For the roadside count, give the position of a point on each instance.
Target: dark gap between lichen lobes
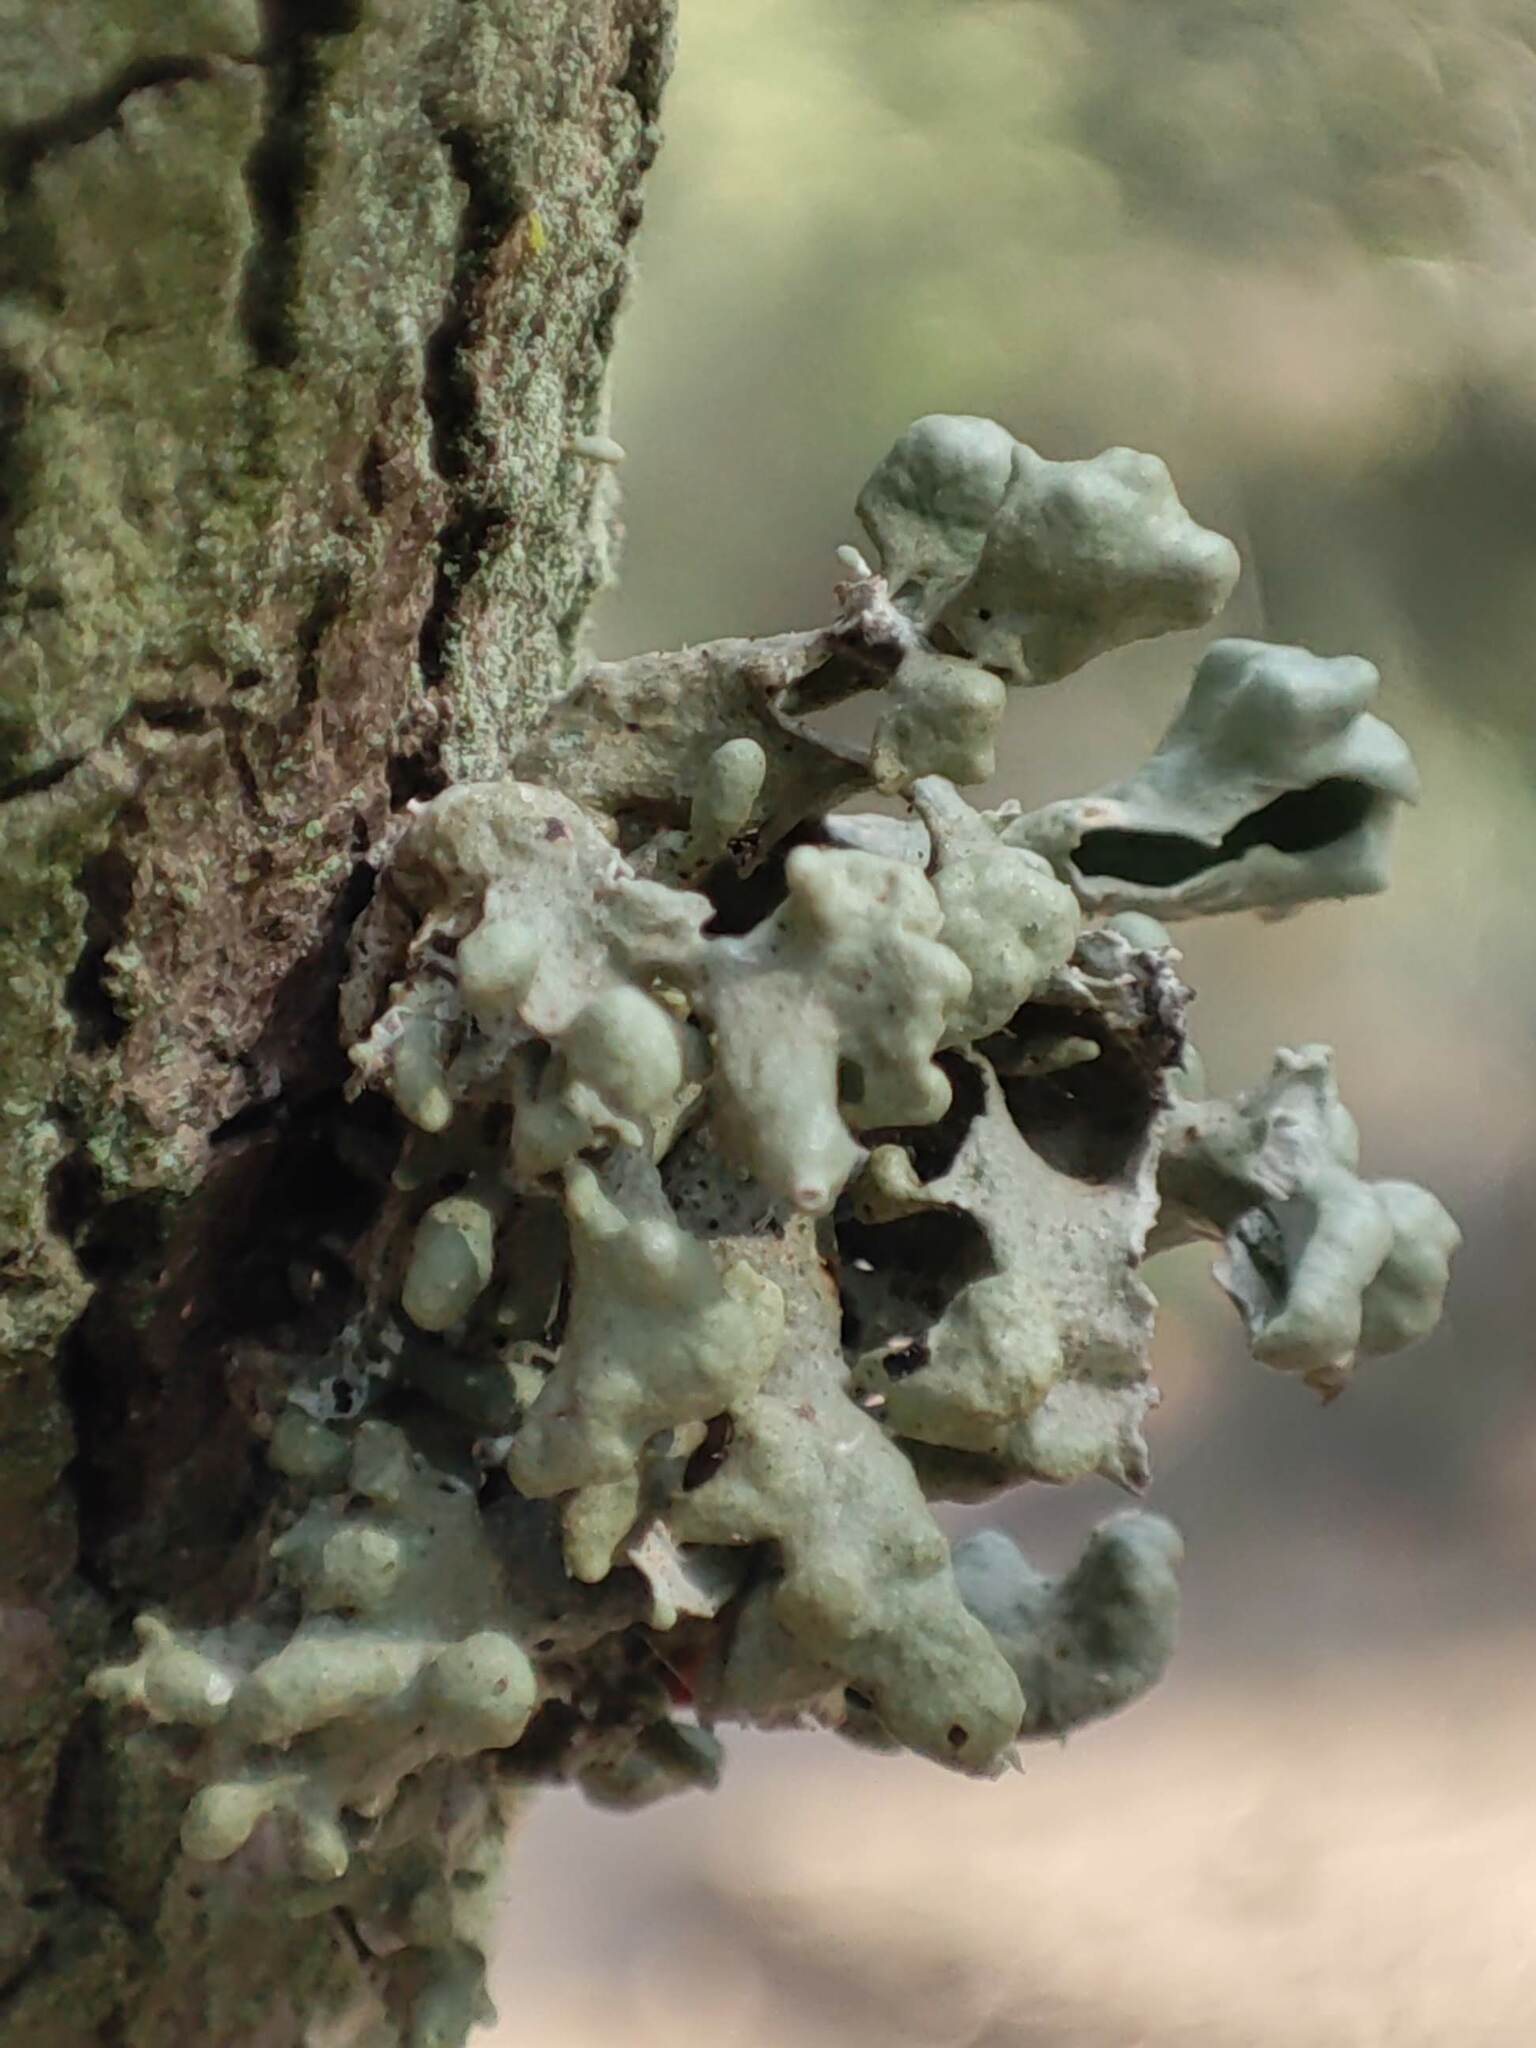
(26, 146)
(1301, 821)
(1088, 1120)
(898, 1278)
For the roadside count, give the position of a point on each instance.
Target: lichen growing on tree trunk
(304, 314)
(520, 1202)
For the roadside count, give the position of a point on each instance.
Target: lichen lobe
(773, 1171)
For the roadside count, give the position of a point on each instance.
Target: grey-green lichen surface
(772, 1172)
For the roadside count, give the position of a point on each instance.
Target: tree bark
(304, 309)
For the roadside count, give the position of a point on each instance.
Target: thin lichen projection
(773, 1171)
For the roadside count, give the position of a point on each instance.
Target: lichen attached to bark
(771, 1173)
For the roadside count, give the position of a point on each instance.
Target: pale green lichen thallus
(774, 1170)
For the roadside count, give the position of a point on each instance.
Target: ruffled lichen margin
(718, 1176)
(304, 314)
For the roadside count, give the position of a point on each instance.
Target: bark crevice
(494, 207)
(281, 168)
(23, 148)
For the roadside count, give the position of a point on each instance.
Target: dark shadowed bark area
(304, 310)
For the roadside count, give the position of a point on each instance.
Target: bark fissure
(281, 167)
(493, 207)
(24, 148)
(40, 779)
(647, 61)
(107, 884)
(329, 606)
(232, 726)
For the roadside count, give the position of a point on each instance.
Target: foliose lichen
(1273, 787)
(773, 1171)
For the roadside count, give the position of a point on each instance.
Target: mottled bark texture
(302, 307)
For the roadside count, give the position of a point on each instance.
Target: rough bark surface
(302, 306)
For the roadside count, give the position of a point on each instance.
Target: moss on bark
(301, 309)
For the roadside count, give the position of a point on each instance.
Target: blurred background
(1290, 246)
